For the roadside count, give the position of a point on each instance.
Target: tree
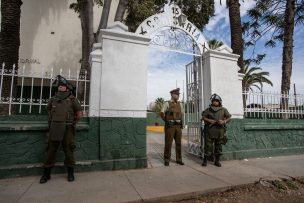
(287, 50)
(197, 11)
(85, 10)
(214, 44)
(9, 43)
(104, 17)
(159, 103)
(138, 11)
(120, 11)
(10, 32)
(86, 18)
(277, 18)
(253, 79)
(236, 30)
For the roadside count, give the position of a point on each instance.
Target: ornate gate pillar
(220, 76)
(118, 96)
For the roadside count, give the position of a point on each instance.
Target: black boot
(205, 161)
(217, 161)
(46, 175)
(180, 162)
(71, 174)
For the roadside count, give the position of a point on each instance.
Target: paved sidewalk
(157, 183)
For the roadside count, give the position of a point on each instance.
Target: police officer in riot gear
(215, 118)
(172, 113)
(64, 112)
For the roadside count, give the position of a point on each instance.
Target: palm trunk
(9, 45)
(86, 17)
(236, 31)
(287, 52)
(122, 6)
(104, 17)
(244, 90)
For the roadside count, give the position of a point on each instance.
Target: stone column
(220, 76)
(96, 65)
(124, 73)
(119, 96)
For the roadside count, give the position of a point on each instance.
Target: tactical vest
(62, 110)
(215, 131)
(174, 112)
(216, 115)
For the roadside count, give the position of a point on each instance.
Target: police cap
(175, 91)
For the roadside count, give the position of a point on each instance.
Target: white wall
(119, 83)
(40, 49)
(221, 76)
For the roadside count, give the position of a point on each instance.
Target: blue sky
(167, 69)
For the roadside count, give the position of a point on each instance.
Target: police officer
(172, 113)
(64, 112)
(215, 118)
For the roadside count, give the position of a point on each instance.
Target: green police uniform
(62, 109)
(64, 112)
(173, 117)
(214, 133)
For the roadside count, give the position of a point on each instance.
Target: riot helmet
(216, 97)
(59, 80)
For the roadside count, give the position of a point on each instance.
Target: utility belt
(173, 122)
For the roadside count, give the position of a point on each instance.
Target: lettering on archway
(170, 18)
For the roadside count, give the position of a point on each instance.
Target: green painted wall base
(248, 138)
(120, 143)
(254, 153)
(101, 144)
(81, 166)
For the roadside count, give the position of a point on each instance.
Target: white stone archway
(120, 62)
(118, 89)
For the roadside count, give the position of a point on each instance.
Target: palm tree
(236, 30)
(9, 44)
(214, 44)
(253, 79)
(277, 19)
(10, 32)
(287, 51)
(159, 103)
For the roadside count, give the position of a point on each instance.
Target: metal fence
(270, 105)
(24, 92)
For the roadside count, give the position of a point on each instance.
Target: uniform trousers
(211, 143)
(68, 145)
(173, 132)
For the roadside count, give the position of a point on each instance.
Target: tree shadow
(37, 16)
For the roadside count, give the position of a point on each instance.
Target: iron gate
(194, 106)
